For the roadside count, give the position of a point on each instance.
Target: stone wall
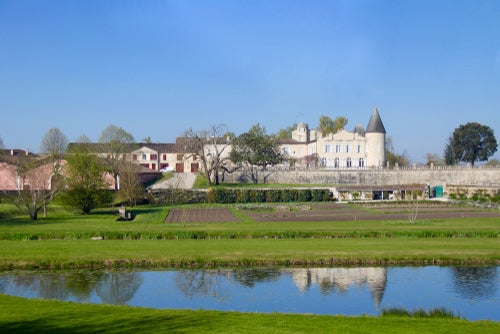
(478, 177)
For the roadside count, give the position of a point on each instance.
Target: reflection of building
(341, 279)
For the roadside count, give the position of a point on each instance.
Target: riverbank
(66, 240)
(72, 254)
(21, 315)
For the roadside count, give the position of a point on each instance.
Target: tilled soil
(193, 215)
(327, 212)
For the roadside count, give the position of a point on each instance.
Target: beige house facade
(343, 149)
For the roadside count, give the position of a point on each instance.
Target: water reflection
(201, 282)
(475, 282)
(111, 287)
(473, 292)
(331, 280)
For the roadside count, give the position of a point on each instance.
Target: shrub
(242, 196)
(304, 195)
(257, 196)
(273, 195)
(223, 195)
(289, 195)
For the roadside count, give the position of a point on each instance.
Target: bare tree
(37, 182)
(115, 143)
(54, 142)
(131, 189)
(211, 147)
(83, 139)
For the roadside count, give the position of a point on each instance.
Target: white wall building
(344, 149)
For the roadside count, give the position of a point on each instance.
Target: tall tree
(473, 142)
(393, 158)
(339, 123)
(286, 133)
(2, 147)
(326, 125)
(449, 154)
(211, 146)
(85, 180)
(83, 139)
(131, 189)
(115, 143)
(255, 151)
(54, 142)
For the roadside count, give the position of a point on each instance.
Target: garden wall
(478, 177)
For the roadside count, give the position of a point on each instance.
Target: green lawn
(63, 240)
(254, 252)
(18, 315)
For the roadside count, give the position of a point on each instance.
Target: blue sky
(156, 68)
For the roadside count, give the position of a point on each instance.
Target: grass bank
(18, 315)
(64, 240)
(51, 254)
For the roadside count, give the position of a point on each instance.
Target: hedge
(230, 195)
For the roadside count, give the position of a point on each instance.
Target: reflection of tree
(475, 282)
(200, 282)
(118, 287)
(248, 277)
(112, 287)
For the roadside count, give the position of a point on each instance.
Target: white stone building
(344, 149)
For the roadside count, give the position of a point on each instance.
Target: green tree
(449, 154)
(255, 151)
(326, 125)
(339, 123)
(85, 180)
(473, 142)
(393, 158)
(493, 163)
(115, 144)
(286, 133)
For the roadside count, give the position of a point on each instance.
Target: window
(347, 148)
(361, 162)
(154, 156)
(164, 157)
(144, 156)
(337, 163)
(134, 157)
(349, 162)
(327, 148)
(323, 162)
(337, 148)
(359, 148)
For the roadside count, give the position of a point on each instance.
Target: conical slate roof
(375, 124)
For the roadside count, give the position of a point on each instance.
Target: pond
(470, 292)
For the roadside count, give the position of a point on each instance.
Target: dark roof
(375, 124)
(98, 147)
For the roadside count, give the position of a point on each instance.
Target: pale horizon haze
(157, 68)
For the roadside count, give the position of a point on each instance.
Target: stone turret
(375, 140)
